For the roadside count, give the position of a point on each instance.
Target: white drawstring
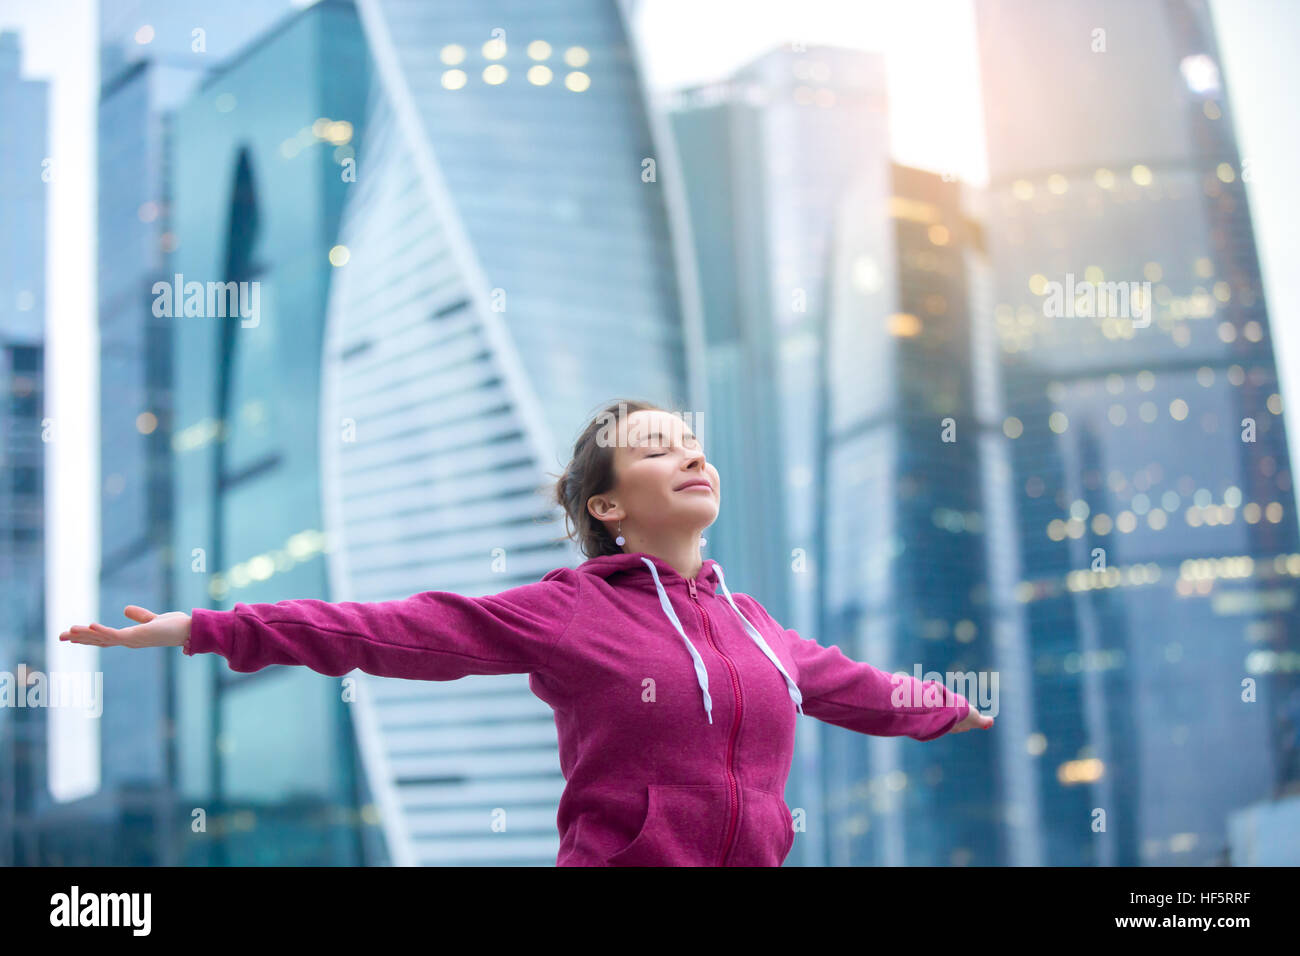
(701, 675)
(791, 686)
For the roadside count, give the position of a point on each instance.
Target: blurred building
(258, 169)
(153, 55)
(1155, 503)
(838, 292)
(912, 506)
(24, 105)
(168, 46)
(510, 267)
(768, 155)
(1265, 833)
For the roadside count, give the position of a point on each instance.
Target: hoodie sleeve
(858, 696)
(433, 635)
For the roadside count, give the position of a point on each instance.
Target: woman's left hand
(972, 720)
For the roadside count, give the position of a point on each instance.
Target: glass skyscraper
(768, 155)
(1156, 513)
(510, 267)
(908, 457)
(153, 55)
(259, 170)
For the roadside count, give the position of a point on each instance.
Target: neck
(681, 554)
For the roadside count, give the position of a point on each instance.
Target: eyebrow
(658, 434)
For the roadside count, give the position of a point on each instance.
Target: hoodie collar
(647, 572)
(630, 571)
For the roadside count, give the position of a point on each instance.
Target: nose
(697, 467)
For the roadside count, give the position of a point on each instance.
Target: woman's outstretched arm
(861, 697)
(433, 635)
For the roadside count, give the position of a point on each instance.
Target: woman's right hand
(171, 629)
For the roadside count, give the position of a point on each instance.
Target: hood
(646, 572)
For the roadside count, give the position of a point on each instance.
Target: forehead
(642, 425)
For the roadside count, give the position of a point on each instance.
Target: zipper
(733, 791)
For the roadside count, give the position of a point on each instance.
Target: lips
(698, 483)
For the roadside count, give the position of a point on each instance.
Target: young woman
(675, 700)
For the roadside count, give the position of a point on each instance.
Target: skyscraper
(1156, 510)
(768, 155)
(152, 57)
(258, 163)
(510, 266)
(908, 492)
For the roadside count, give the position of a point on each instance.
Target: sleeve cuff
(205, 632)
(960, 706)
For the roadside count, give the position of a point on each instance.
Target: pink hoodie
(675, 702)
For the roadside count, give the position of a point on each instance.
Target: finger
(121, 636)
(137, 613)
(110, 635)
(84, 639)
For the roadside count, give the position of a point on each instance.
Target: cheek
(651, 480)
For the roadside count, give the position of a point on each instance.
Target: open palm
(170, 629)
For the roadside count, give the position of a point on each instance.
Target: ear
(602, 508)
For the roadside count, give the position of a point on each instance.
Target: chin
(711, 512)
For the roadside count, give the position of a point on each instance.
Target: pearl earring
(703, 541)
(620, 540)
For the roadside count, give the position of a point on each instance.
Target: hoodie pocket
(684, 825)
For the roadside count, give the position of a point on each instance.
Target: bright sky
(929, 49)
(935, 114)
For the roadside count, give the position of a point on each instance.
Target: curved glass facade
(508, 270)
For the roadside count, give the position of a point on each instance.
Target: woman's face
(662, 482)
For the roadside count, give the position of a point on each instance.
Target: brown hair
(591, 472)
